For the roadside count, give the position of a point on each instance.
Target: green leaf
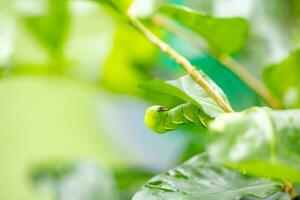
(199, 179)
(51, 28)
(188, 90)
(62, 179)
(129, 65)
(260, 141)
(283, 79)
(129, 180)
(81, 180)
(227, 35)
(238, 93)
(119, 5)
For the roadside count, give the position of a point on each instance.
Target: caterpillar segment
(162, 120)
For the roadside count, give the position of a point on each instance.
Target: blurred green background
(71, 111)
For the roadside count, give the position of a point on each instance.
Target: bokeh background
(71, 111)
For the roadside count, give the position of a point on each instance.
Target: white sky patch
(230, 8)
(141, 8)
(7, 38)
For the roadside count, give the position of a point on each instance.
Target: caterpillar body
(161, 120)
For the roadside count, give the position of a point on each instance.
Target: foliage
(186, 89)
(213, 29)
(86, 180)
(259, 140)
(287, 90)
(132, 64)
(51, 48)
(78, 181)
(200, 179)
(44, 27)
(239, 94)
(200, 108)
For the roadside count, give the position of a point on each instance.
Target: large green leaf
(227, 35)
(199, 179)
(259, 141)
(188, 90)
(283, 79)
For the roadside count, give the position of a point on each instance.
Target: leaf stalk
(197, 76)
(230, 63)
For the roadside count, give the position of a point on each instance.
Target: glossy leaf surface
(259, 141)
(199, 179)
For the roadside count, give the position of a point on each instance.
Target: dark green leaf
(227, 35)
(259, 141)
(199, 179)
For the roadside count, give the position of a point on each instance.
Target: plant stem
(288, 188)
(225, 59)
(249, 79)
(197, 76)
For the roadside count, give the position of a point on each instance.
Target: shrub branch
(197, 76)
(288, 188)
(249, 79)
(230, 63)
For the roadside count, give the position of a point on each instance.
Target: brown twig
(288, 188)
(225, 59)
(183, 62)
(250, 80)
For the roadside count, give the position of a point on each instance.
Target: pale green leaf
(259, 141)
(127, 65)
(119, 5)
(199, 179)
(78, 181)
(227, 35)
(45, 26)
(188, 90)
(283, 79)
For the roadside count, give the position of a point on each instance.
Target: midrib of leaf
(272, 136)
(241, 189)
(196, 75)
(196, 97)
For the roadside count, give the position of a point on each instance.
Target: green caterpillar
(161, 120)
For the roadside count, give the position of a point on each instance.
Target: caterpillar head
(155, 118)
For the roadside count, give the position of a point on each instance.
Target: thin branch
(225, 59)
(236, 68)
(183, 62)
(250, 80)
(288, 188)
